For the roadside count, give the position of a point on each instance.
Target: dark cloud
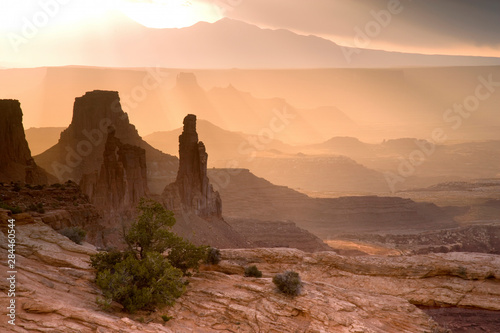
(421, 23)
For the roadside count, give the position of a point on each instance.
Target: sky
(454, 27)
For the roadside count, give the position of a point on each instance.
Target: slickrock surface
(444, 279)
(55, 293)
(16, 163)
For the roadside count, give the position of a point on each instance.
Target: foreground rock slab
(55, 292)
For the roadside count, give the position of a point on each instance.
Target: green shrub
(288, 282)
(13, 209)
(37, 208)
(106, 260)
(185, 255)
(150, 232)
(213, 256)
(17, 187)
(141, 283)
(253, 271)
(165, 318)
(76, 234)
(142, 278)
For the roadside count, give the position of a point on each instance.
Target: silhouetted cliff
(192, 190)
(16, 163)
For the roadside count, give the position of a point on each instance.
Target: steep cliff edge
(16, 163)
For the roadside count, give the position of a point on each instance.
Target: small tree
(151, 230)
(288, 282)
(142, 278)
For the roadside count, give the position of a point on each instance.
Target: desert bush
(17, 187)
(13, 209)
(185, 255)
(37, 208)
(141, 277)
(76, 234)
(213, 256)
(141, 283)
(253, 271)
(288, 282)
(106, 260)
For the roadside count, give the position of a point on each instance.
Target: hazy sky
(424, 26)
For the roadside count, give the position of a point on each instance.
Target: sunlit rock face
(16, 163)
(192, 190)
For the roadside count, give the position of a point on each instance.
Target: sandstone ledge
(55, 292)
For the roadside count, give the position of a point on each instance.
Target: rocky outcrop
(482, 238)
(59, 206)
(197, 207)
(192, 190)
(81, 146)
(278, 234)
(247, 196)
(122, 179)
(16, 163)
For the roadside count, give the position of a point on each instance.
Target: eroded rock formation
(192, 190)
(197, 207)
(122, 179)
(81, 146)
(16, 163)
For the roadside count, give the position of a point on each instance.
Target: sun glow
(169, 13)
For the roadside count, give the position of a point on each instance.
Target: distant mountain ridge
(227, 43)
